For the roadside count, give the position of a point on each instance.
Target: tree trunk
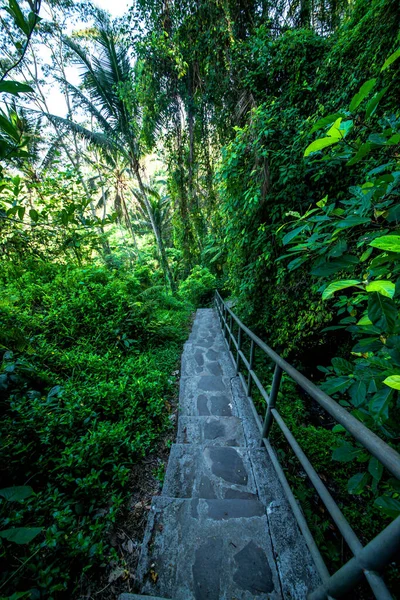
(157, 234)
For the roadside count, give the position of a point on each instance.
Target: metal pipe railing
(356, 568)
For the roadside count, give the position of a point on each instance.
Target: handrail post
(272, 401)
(230, 332)
(373, 558)
(239, 347)
(225, 313)
(251, 362)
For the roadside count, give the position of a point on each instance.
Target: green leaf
(346, 453)
(391, 243)
(361, 94)
(386, 288)
(393, 381)
(390, 506)
(364, 321)
(366, 254)
(320, 144)
(335, 131)
(391, 59)
(394, 140)
(375, 468)
(337, 264)
(16, 493)
(382, 311)
(336, 384)
(369, 344)
(352, 221)
(14, 10)
(358, 393)
(377, 139)
(342, 366)
(338, 285)
(292, 234)
(328, 120)
(361, 152)
(34, 215)
(338, 429)
(373, 103)
(14, 87)
(357, 483)
(379, 405)
(20, 535)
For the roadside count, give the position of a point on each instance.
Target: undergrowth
(86, 378)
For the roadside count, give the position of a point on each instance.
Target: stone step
(201, 549)
(216, 343)
(214, 472)
(210, 431)
(198, 360)
(206, 395)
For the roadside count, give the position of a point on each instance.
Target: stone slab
(208, 550)
(206, 395)
(199, 360)
(211, 431)
(214, 472)
(295, 565)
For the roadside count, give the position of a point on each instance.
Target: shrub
(199, 287)
(84, 387)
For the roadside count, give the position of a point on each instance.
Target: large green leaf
(320, 144)
(352, 221)
(373, 103)
(14, 87)
(358, 393)
(391, 59)
(292, 234)
(369, 344)
(379, 405)
(375, 468)
(382, 311)
(390, 243)
(14, 10)
(363, 150)
(328, 120)
(346, 453)
(386, 288)
(390, 506)
(336, 384)
(357, 483)
(337, 264)
(20, 535)
(393, 381)
(335, 286)
(363, 92)
(16, 493)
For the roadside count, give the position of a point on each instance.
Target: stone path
(222, 528)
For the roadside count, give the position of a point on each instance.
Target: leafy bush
(360, 234)
(199, 287)
(85, 382)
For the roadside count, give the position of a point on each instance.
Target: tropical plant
(360, 234)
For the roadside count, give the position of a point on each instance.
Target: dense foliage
(251, 146)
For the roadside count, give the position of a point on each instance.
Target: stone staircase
(222, 528)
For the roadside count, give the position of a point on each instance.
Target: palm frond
(97, 139)
(51, 152)
(78, 94)
(96, 86)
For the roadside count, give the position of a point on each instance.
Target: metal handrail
(375, 555)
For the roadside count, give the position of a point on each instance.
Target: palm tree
(106, 79)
